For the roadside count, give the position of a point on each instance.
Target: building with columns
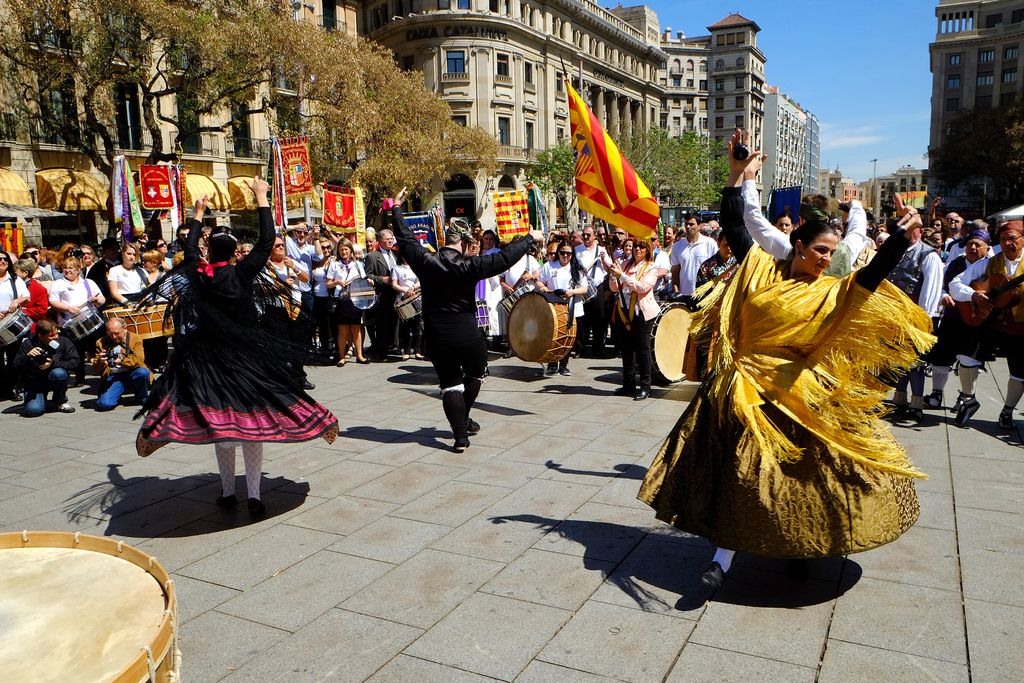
(500, 65)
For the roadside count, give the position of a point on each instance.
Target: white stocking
(226, 464)
(252, 453)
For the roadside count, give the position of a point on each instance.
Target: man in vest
(1003, 329)
(919, 275)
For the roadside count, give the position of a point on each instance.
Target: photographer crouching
(45, 360)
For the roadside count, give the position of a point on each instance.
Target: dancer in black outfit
(451, 338)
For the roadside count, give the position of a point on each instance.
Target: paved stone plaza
(388, 557)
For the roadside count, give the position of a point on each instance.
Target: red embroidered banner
(298, 181)
(511, 214)
(339, 208)
(156, 187)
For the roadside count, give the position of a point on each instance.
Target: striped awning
(242, 198)
(13, 189)
(197, 184)
(67, 189)
(314, 202)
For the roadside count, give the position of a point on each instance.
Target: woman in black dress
(229, 380)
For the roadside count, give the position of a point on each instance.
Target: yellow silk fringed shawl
(815, 349)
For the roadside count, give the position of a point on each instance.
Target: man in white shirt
(687, 255)
(1001, 329)
(594, 324)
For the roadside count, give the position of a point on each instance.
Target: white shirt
(689, 257)
(960, 286)
(7, 292)
(527, 264)
(128, 281)
(404, 277)
(555, 276)
(588, 257)
(75, 294)
(663, 262)
(283, 272)
(319, 280)
(304, 254)
(345, 272)
(931, 285)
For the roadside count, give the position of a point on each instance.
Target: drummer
(68, 297)
(13, 293)
(128, 278)
(410, 331)
(343, 271)
(567, 279)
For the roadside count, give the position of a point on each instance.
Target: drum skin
(669, 335)
(77, 607)
(538, 329)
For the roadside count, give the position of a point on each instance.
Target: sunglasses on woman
(565, 253)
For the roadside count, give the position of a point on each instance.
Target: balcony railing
(502, 79)
(515, 153)
(455, 76)
(203, 144)
(8, 126)
(247, 148)
(41, 135)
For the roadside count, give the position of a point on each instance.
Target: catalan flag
(606, 185)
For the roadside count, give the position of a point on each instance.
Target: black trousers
(636, 354)
(385, 322)
(456, 349)
(593, 326)
(325, 330)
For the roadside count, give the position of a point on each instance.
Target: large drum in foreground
(75, 607)
(539, 329)
(669, 336)
(146, 322)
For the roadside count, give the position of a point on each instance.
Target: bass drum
(540, 329)
(669, 336)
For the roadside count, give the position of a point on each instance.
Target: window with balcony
(689, 82)
(1009, 75)
(954, 60)
(493, 6)
(1017, 16)
(986, 78)
(504, 130)
(188, 121)
(704, 85)
(703, 66)
(1011, 52)
(677, 81)
(528, 132)
(129, 117)
(953, 82)
(986, 56)
(456, 61)
(993, 20)
(502, 67)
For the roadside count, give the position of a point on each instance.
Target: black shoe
(15, 395)
(967, 410)
(934, 399)
(1006, 418)
(256, 507)
(625, 391)
(308, 386)
(641, 395)
(911, 416)
(472, 428)
(960, 398)
(564, 372)
(460, 445)
(713, 577)
(227, 501)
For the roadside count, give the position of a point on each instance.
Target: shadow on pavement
(622, 470)
(573, 390)
(428, 436)
(142, 507)
(662, 565)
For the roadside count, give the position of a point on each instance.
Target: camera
(47, 352)
(740, 151)
(77, 253)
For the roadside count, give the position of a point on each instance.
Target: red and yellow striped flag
(606, 185)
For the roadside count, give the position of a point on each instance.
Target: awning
(314, 202)
(23, 212)
(242, 198)
(13, 189)
(67, 189)
(197, 184)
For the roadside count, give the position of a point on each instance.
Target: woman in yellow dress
(782, 452)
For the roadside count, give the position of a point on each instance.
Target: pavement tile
(877, 613)
(394, 454)
(342, 515)
(623, 490)
(502, 472)
(993, 576)
(852, 663)
(490, 635)
(589, 467)
(12, 491)
(539, 449)
(989, 484)
(258, 557)
(34, 503)
(339, 478)
(768, 615)
(299, 594)
(922, 557)
(453, 503)
(390, 539)
(44, 477)
(408, 483)
(702, 664)
(655, 576)
(936, 510)
(542, 672)
(598, 532)
(196, 597)
(552, 579)
(193, 542)
(213, 645)
(994, 633)
(989, 530)
(618, 642)
(339, 646)
(420, 591)
(507, 433)
(404, 668)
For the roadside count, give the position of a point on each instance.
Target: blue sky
(860, 67)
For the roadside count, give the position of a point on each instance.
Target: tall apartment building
(975, 59)
(42, 172)
(813, 154)
(685, 79)
(786, 132)
(500, 65)
(736, 65)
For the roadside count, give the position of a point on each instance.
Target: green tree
(688, 170)
(555, 174)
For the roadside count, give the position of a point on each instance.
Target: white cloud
(846, 141)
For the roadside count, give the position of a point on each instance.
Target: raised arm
(195, 232)
(856, 229)
(256, 260)
(767, 236)
(889, 255)
(412, 251)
